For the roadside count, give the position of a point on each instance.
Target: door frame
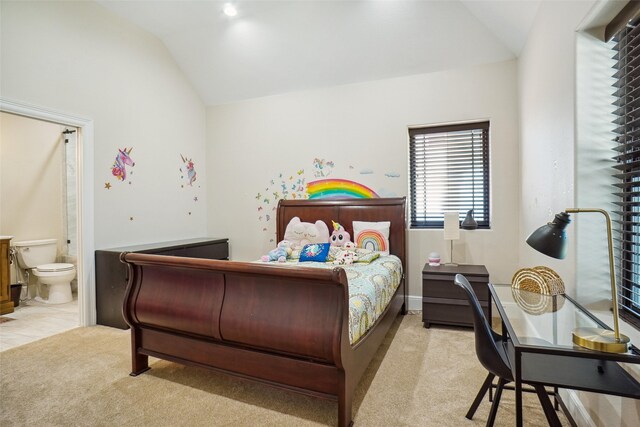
(85, 203)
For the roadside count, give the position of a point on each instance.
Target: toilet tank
(32, 253)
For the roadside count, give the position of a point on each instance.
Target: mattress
(371, 287)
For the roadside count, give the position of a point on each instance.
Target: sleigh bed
(281, 325)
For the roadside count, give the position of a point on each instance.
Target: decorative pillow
(372, 235)
(303, 233)
(314, 252)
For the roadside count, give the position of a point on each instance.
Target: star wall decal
(195, 199)
(107, 185)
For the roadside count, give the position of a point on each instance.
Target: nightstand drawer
(443, 287)
(445, 303)
(445, 311)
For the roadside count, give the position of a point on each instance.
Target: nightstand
(445, 303)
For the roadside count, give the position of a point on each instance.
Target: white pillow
(372, 235)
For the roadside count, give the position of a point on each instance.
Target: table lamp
(551, 240)
(451, 232)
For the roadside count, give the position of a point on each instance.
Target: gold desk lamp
(551, 240)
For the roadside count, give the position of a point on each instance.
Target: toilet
(38, 256)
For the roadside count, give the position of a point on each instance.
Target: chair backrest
(493, 359)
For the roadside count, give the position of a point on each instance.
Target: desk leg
(518, 389)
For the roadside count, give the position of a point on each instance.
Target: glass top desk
(541, 351)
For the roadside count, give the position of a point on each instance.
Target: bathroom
(38, 194)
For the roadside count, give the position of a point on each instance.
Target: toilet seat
(55, 267)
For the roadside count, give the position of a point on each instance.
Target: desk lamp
(551, 240)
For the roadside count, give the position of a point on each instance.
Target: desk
(538, 328)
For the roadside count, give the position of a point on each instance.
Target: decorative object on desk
(451, 232)
(469, 223)
(551, 240)
(541, 280)
(434, 259)
(536, 303)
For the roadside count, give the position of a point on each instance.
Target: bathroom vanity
(111, 274)
(6, 303)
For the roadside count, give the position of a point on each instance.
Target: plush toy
(280, 253)
(339, 236)
(302, 233)
(347, 255)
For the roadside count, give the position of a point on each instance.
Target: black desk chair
(491, 350)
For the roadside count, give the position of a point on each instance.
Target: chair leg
(556, 405)
(483, 390)
(547, 407)
(496, 402)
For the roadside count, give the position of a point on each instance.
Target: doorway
(84, 198)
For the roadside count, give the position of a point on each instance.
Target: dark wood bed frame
(284, 326)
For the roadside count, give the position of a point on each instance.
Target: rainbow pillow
(372, 235)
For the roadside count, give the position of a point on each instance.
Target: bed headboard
(345, 211)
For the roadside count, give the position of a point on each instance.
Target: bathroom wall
(32, 194)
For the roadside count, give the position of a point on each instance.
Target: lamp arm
(612, 272)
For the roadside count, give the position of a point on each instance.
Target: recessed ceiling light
(230, 10)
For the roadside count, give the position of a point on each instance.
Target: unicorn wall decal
(122, 161)
(191, 171)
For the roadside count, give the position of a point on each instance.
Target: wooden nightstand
(446, 304)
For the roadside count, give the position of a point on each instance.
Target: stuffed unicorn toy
(339, 236)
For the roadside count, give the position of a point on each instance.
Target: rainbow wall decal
(371, 239)
(339, 188)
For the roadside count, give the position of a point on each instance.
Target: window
(449, 167)
(627, 171)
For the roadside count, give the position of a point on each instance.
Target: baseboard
(574, 409)
(415, 303)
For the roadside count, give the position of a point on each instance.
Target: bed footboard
(279, 325)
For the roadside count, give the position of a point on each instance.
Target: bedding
(371, 286)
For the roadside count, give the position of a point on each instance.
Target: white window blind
(449, 167)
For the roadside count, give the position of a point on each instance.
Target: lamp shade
(451, 226)
(551, 238)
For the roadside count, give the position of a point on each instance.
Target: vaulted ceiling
(274, 47)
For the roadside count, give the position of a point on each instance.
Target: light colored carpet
(419, 377)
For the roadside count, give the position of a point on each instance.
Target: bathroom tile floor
(35, 320)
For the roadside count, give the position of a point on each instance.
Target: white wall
(559, 141)
(363, 126)
(32, 201)
(78, 58)
(546, 81)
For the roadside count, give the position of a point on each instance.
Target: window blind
(627, 169)
(449, 167)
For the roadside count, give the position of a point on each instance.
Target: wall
(32, 166)
(546, 85)
(362, 128)
(78, 58)
(558, 170)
